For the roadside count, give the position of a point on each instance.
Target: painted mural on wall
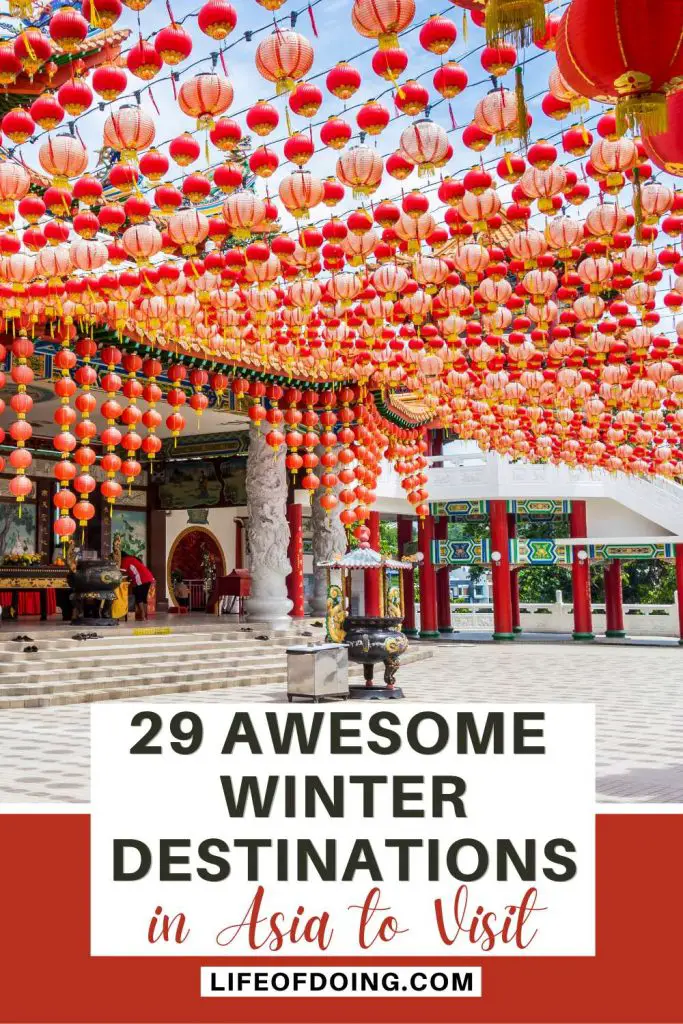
(17, 534)
(131, 526)
(205, 483)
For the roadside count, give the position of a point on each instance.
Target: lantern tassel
(522, 113)
(645, 114)
(521, 21)
(465, 26)
(638, 205)
(154, 102)
(450, 111)
(313, 24)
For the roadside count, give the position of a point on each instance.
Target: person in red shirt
(141, 579)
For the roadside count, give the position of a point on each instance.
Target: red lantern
(32, 49)
(450, 80)
(154, 165)
(225, 134)
(173, 44)
(299, 149)
(228, 177)
(343, 81)
(399, 166)
(112, 218)
(498, 59)
(217, 19)
(109, 81)
(372, 118)
(262, 118)
(335, 133)
(619, 51)
(333, 192)
(438, 34)
(68, 29)
(305, 99)
(47, 112)
(263, 162)
(411, 98)
(102, 13)
(196, 187)
(143, 61)
(474, 138)
(666, 149)
(18, 125)
(389, 64)
(31, 208)
(184, 149)
(10, 66)
(75, 96)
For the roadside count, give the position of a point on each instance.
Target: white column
(329, 538)
(267, 533)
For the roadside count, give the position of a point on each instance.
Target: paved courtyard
(638, 692)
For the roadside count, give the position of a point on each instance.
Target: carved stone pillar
(329, 538)
(268, 533)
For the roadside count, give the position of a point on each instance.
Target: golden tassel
(522, 113)
(645, 114)
(521, 21)
(637, 205)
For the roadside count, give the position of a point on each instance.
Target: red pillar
(428, 618)
(295, 554)
(679, 588)
(372, 576)
(239, 560)
(614, 606)
(514, 579)
(581, 575)
(443, 587)
(405, 537)
(500, 571)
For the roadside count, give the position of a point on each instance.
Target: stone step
(27, 682)
(84, 654)
(128, 640)
(70, 692)
(214, 676)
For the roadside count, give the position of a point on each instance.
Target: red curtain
(29, 601)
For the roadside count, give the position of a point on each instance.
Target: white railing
(659, 620)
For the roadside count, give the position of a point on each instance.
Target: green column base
(517, 629)
(619, 633)
(429, 634)
(583, 636)
(681, 642)
(503, 636)
(411, 632)
(446, 629)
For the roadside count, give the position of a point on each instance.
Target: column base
(618, 633)
(503, 636)
(517, 629)
(410, 632)
(446, 629)
(583, 636)
(429, 634)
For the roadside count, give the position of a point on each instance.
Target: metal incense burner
(371, 639)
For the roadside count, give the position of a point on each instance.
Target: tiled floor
(638, 692)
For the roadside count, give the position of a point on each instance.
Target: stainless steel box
(318, 671)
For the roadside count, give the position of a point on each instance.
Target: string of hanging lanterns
(508, 316)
